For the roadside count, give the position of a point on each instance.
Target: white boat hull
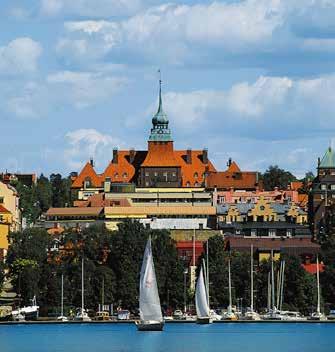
(149, 325)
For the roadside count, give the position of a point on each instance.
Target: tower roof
(328, 160)
(160, 131)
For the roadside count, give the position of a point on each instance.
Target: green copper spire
(328, 160)
(160, 131)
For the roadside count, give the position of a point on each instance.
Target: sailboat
(201, 298)
(82, 314)
(151, 318)
(229, 315)
(318, 315)
(251, 314)
(62, 317)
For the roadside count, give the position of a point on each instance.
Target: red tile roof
(193, 173)
(311, 268)
(3, 210)
(296, 185)
(87, 172)
(159, 155)
(236, 180)
(233, 167)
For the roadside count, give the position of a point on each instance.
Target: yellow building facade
(9, 199)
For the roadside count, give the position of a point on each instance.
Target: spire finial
(160, 90)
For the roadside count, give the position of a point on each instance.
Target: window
(1, 200)
(196, 184)
(116, 175)
(272, 232)
(323, 187)
(195, 175)
(188, 184)
(262, 207)
(87, 182)
(332, 187)
(174, 174)
(155, 174)
(1, 218)
(221, 199)
(201, 226)
(124, 175)
(147, 174)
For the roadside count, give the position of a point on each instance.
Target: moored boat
(151, 318)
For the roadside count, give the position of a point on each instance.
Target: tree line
(111, 257)
(115, 258)
(36, 199)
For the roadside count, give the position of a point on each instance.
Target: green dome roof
(328, 160)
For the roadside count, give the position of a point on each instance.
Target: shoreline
(48, 322)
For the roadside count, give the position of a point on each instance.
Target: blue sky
(249, 79)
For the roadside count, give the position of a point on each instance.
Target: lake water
(246, 337)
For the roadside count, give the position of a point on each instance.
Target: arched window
(196, 184)
(116, 175)
(188, 184)
(124, 175)
(195, 175)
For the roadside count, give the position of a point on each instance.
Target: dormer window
(195, 175)
(87, 182)
(188, 184)
(116, 175)
(124, 175)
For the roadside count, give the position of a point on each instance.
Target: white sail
(150, 307)
(201, 299)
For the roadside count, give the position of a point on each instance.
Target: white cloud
(89, 8)
(85, 143)
(83, 89)
(269, 108)
(207, 33)
(20, 56)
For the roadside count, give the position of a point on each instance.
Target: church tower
(160, 167)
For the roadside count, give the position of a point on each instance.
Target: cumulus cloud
(228, 31)
(276, 108)
(89, 8)
(20, 56)
(85, 143)
(83, 89)
(36, 98)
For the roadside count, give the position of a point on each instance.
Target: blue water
(175, 338)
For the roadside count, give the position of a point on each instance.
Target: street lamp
(185, 275)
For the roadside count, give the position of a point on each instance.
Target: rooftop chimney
(205, 156)
(115, 156)
(131, 155)
(92, 162)
(229, 162)
(189, 156)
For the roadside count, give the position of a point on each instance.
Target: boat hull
(204, 320)
(150, 326)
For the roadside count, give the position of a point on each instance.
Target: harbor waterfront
(124, 337)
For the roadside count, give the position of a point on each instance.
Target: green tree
(276, 177)
(28, 202)
(61, 191)
(26, 258)
(44, 193)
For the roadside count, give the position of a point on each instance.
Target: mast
(282, 286)
(193, 247)
(82, 285)
(272, 283)
(252, 278)
(207, 273)
(269, 293)
(62, 298)
(318, 283)
(229, 285)
(103, 294)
